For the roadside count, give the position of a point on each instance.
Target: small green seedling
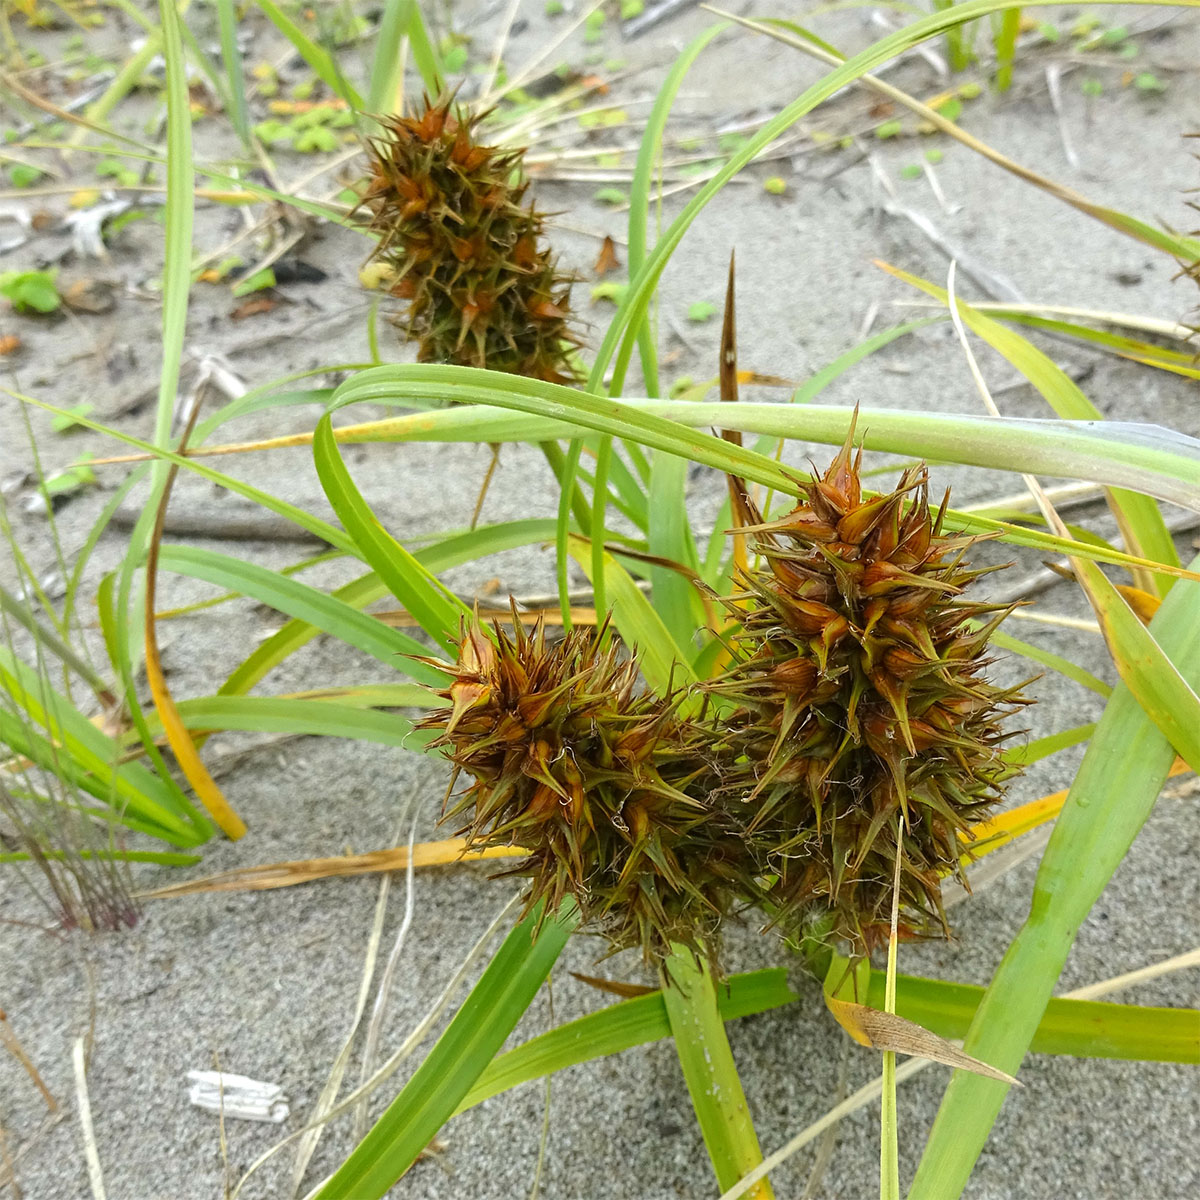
(30, 291)
(1092, 87)
(611, 195)
(933, 156)
(70, 480)
(611, 291)
(889, 129)
(554, 8)
(593, 27)
(22, 175)
(69, 419)
(1147, 81)
(118, 172)
(776, 185)
(911, 171)
(257, 282)
(315, 140)
(701, 310)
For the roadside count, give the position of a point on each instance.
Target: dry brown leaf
(9, 344)
(288, 874)
(607, 259)
(1142, 602)
(627, 991)
(886, 1031)
(254, 307)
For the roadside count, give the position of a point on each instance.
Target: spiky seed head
(601, 781)
(861, 699)
(466, 252)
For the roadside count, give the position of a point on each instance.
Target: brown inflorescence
(602, 782)
(862, 708)
(464, 249)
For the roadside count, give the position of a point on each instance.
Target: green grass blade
(1055, 662)
(621, 1027)
(384, 90)
(642, 185)
(425, 53)
(437, 611)
(1118, 782)
(231, 56)
(1052, 743)
(1079, 1028)
(74, 745)
(451, 552)
(1004, 41)
(162, 858)
(320, 610)
(670, 536)
(314, 718)
(663, 661)
(710, 1072)
(323, 64)
(1146, 353)
(1144, 458)
(1138, 514)
(1165, 696)
(459, 1057)
(321, 529)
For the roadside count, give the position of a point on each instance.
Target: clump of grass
(464, 249)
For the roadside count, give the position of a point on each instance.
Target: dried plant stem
(95, 1174)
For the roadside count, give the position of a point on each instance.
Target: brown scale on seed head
(465, 252)
(861, 699)
(602, 782)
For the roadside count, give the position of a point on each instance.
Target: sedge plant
(626, 819)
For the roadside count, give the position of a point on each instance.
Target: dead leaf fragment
(607, 260)
(255, 306)
(9, 344)
(886, 1031)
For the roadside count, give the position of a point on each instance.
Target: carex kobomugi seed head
(603, 783)
(861, 699)
(467, 253)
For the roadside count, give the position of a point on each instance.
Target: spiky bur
(861, 699)
(464, 249)
(604, 783)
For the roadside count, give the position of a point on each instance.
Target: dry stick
(824, 1154)
(8, 1162)
(526, 74)
(311, 1134)
(18, 1052)
(494, 66)
(413, 1040)
(1053, 77)
(288, 874)
(375, 1027)
(234, 527)
(95, 1174)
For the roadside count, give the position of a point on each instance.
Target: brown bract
(467, 253)
(604, 783)
(861, 699)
